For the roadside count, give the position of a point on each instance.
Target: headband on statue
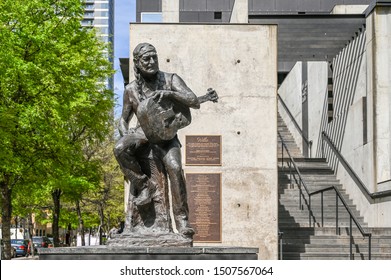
(141, 49)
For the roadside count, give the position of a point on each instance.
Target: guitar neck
(203, 98)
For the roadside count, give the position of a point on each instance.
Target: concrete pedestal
(148, 253)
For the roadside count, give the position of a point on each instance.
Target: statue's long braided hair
(138, 51)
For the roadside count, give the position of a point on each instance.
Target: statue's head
(145, 59)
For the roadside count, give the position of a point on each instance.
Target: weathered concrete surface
(239, 12)
(170, 10)
(240, 63)
(379, 89)
(349, 9)
(145, 253)
(139, 239)
(290, 93)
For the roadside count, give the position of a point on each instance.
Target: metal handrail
(370, 196)
(309, 142)
(300, 182)
(280, 239)
(338, 196)
(352, 218)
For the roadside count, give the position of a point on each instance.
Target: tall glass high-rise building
(100, 15)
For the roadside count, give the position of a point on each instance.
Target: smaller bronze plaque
(203, 150)
(205, 205)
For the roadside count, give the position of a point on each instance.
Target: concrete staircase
(301, 241)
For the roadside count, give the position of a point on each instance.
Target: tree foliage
(53, 97)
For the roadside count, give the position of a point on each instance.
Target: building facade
(100, 15)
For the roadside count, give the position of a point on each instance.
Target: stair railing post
(300, 195)
(310, 147)
(290, 174)
(282, 153)
(309, 212)
(351, 238)
(369, 246)
(336, 212)
(281, 240)
(321, 204)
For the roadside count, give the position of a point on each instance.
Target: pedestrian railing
(306, 195)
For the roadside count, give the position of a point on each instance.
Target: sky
(124, 13)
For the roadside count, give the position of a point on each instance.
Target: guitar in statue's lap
(161, 119)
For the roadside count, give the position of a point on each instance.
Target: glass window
(102, 5)
(101, 13)
(101, 21)
(151, 17)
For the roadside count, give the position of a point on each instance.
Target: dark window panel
(357, 2)
(218, 5)
(150, 5)
(309, 5)
(194, 5)
(286, 6)
(262, 6)
(207, 17)
(188, 17)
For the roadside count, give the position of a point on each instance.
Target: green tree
(53, 96)
(106, 200)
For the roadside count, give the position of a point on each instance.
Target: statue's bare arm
(127, 113)
(181, 93)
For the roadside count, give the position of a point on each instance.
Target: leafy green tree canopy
(53, 96)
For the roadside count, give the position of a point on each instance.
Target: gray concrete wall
(317, 96)
(170, 10)
(240, 62)
(240, 12)
(379, 91)
(290, 92)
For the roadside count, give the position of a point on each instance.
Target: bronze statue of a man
(161, 103)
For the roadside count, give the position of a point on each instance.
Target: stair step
(299, 241)
(332, 256)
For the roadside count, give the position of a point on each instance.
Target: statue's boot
(184, 227)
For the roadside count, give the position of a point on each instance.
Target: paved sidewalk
(25, 258)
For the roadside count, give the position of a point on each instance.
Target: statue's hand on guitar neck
(160, 94)
(211, 95)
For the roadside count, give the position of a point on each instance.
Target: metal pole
(282, 153)
(336, 212)
(321, 203)
(369, 246)
(310, 145)
(301, 193)
(351, 239)
(309, 213)
(280, 246)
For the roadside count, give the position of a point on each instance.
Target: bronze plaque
(203, 150)
(205, 205)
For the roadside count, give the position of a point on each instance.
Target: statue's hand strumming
(160, 94)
